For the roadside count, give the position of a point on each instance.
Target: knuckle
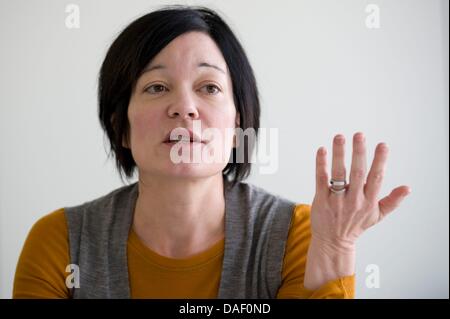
(352, 206)
(378, 176)
(339, 173)
(360, 150)
(359, 173)
(358, 203)
(371, 207)
(323, 178)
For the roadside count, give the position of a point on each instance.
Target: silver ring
(337, 183)
(337, 191)
(338, 187)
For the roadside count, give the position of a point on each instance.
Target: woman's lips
(180, 134)
(171, 143)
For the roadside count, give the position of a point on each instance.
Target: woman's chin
(193, 170)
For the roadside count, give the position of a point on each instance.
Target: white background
(320, 72)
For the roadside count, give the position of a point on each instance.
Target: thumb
(393, 200)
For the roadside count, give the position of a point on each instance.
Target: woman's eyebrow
(208, 65)
(202, 64)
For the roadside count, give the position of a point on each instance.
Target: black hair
(138, 44)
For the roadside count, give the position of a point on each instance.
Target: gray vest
(256, 229)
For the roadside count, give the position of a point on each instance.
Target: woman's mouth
(184, 136)
(170, 143)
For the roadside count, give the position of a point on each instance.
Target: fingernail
(339, 139)
(359, 137)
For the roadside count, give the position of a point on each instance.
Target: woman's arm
(296, 259)
(326, 262)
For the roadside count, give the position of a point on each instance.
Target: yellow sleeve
(294, 264)
(40, 271)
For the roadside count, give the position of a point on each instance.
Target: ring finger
(338, 172)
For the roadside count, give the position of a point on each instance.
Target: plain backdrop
(320, 71)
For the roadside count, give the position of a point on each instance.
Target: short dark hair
(138, 44)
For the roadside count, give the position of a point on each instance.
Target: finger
(393, 200)
(376, 173)
(338, 164)
(358, 168)
(321, 172)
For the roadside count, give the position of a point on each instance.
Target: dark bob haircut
(138, 44)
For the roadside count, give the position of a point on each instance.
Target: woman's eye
(159, 88)
(155, 89)
(211, 89)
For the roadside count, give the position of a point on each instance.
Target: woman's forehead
(154, 67)
(192, 50)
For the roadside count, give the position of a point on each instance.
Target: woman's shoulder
(49, 234)
(302, 212)
(40, 271)
(300, 223)
(50, 226)
(109, 202)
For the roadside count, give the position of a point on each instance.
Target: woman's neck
(179, 218)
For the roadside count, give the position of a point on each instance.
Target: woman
(194, 229)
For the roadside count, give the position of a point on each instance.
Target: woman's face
(187, 81)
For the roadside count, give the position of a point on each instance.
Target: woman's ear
(237, 127)
(113, 123)
(124, 143)
(238, 119)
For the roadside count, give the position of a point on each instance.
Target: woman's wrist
(333, 246)
(327, 261)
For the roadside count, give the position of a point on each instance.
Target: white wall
(320, 70)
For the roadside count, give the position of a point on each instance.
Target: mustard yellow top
(41, 269)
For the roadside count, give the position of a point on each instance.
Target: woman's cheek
(145, 132)
(144, 124)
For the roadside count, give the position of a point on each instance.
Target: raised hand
(338, 218)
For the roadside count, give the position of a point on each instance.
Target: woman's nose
(184, 107)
